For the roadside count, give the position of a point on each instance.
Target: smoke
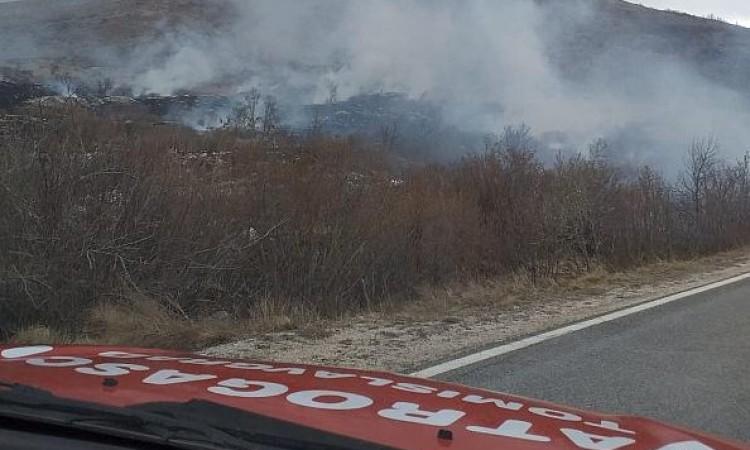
(487, 63)
(483, 59)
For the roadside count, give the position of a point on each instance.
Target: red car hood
(381, 408)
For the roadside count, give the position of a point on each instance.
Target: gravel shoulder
(452, 322)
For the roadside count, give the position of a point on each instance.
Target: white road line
(539, 338)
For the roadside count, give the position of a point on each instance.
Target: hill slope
(81, 35)
(718, 50)
(648, 81)
(89, 34)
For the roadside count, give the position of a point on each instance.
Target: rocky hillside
(77, 36)
(44, 35)
(718, 50)
(603, 48)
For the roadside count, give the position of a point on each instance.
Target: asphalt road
(687, 363)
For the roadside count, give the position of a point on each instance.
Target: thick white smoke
(488, 63)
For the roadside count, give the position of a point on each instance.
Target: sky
(733, 11)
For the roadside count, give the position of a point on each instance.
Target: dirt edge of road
(452, 322)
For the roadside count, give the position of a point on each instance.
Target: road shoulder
(459, 321)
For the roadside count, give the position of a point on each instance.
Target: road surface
(687, 363)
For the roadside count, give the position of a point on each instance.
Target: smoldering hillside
(120, 224)
(573, 70)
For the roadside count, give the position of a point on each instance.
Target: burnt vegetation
(100, 214)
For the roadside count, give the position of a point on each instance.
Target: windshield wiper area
(256, 428)
(170, 424)
(27, 404)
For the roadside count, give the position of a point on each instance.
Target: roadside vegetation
(130, 232)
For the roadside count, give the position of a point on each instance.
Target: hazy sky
(734, 11)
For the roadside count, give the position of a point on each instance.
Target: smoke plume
(487, 63)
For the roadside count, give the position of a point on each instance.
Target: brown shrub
(97, 213)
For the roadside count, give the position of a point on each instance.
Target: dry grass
(434, 303)
(144, 322)
(273, 315)
(438, 303)
(147, 323)
(41, 334)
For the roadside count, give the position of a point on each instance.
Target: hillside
(593, 35)
(719, 51)
(89, 35)
(574, 71)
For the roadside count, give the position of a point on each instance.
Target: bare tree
(517, 139)
(389, 136)
(599, 151)
(245, 115)
(333, 93)
(67, 85)
(743, 174)
(699, 167)
(316, 125)
(271, 116)
(104, 87)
